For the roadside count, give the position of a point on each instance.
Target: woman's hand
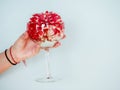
(24, 48)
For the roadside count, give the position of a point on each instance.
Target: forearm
(4, 63)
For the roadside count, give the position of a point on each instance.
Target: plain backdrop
(89, 58)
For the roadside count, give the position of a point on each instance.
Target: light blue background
(89, 58)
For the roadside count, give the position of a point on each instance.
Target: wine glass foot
(47, 79)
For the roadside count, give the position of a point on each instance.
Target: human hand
(24, 48)
(55, 45)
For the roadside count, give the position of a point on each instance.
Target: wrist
(7, 55)
(12, 55)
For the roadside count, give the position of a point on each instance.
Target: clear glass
(48, 77)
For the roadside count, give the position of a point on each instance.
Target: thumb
(23, 37)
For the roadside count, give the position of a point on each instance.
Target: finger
(57, 44)
(22, 38)
(46, 48)
(64, 36)
(25, 35)
(37, 49)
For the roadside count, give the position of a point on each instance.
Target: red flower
(45, 26)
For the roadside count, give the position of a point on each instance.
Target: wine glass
(47, 28)
(48, 77)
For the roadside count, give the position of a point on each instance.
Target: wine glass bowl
(46, 26)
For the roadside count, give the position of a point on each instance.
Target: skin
(22, 49)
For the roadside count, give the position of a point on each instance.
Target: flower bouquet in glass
(47, 28)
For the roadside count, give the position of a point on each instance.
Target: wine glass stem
(48, 74)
